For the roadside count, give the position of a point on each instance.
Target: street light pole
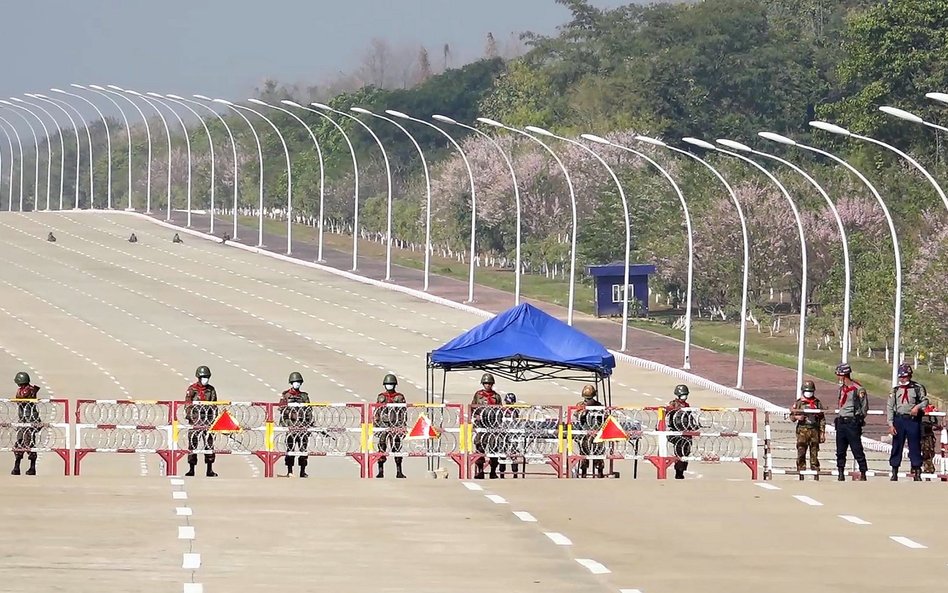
(62, 164)
(49, 149)
(164, 123)
(62, 151)
(59, 103)
(187, 143)
(10, 181)
(108, 142)
(35, 152)
(210, 145)
(120, 92)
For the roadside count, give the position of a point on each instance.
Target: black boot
(381, 472)
(190, 471)
(801, 476)
(841, 475)
(516, 470)
(895, 475)
(598, 468)
(816, 476)
(210, 470)
(398, 468)
(479, 471)
(916, 474)
(583, 468)
(303, 463)
(16, 466)
(503, 471)
(289, 466)
(32, 470)
(493, 468)
(862, 474)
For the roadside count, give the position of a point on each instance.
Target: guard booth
(609, 290)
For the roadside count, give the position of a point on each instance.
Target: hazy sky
(228, 47)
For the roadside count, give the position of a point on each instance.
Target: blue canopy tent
(525, 344)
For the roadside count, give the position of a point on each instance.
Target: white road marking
(193, 588)
(183, 511)
(496, 499)
(808, 500)
(179, 495)
(472, 486)
(191, 561)
(907, 542)
(854, 519)
(525, 516)
(767, 486)
(593, 566)
(629, 591)
(558, 538)
(177, 482)
(185, 532)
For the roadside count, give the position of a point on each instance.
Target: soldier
(298, 419)
(201, 418)
(26, 414)
(930, 427)
(590, 421)
(132, 238)
(394, 419)
(226, 238)
(510, 420)
(680, 420)
(904, 410)
(853, 406)
(811, 428)
(176, 239)
(50, 237)
(485, 420)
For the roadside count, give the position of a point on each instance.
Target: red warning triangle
(423, 429)
(224, 423)
(611, 431)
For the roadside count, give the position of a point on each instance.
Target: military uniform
(485, 420)
(853, 405)
(930, 430)
(298, 419)
(680, 420)
(394, 421)
(510, 419)
(590, 421)
(811, 428)
(904, 410)
(26, 414)
(201, 418)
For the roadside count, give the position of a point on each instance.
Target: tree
(490, 51)
(424, 66)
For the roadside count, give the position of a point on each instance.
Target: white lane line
(496, 499)
(185, 532)
(767, 486)
(472, 486)
(177, 482)
(854, 519)
(629, 591)
(525, 516)
(558, 538)
(183, 511)
(593, 566)
(193, 588)
(179, 495)
(808, 500)
(907, 542)
(191, 561)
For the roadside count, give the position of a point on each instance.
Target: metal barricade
(711, 435)
(318, 430)
(518, 435)
(37, 426)
(194, 432)
(643, 441)
(390, 433)
(124, 426)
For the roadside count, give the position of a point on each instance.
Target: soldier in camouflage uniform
(930, 430)
(26, 414)
(590, 421)
(485, 422)
(201, 418)
(680, 420)
(298, 419)
(904, 409)
(511, 419)
(811, 428)
(394, 421)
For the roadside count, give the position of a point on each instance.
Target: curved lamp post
(164, 123)
(35, 152)
(424, 167)
(62, 150)
(513, 176)
(684, 206)
(355, 200)
(744, 239)
(210, 145)
(892, 233)
(108, 139)
(59, 104)
(322, 176)
(803, 251)
(49, 149)
(10, 181)
(572, 199)
(847, 288)
(187, 143)
(121, 93)
(62, 164)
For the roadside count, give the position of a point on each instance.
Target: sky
(227, 48)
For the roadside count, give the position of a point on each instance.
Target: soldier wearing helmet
(590, 417)
(297, 417)
(930, 427)
(904, 410)
(26, 414)
(201, 418)
(485, 422)
(853, 405)
(680, 420)
(510, 419)
(391, 424)
(807, 412)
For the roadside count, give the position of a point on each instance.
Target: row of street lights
(532, 133)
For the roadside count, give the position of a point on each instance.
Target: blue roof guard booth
(608, 282)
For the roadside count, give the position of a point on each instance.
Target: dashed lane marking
(185, 532)
(558, 538)
(593, 566)
(907, 542)
(472, 486)
(496, 498)
(183, 511)
(808, 500)
(525, 516)
(191, 561)
(854, 519)
(767, 486)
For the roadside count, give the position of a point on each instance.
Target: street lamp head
(175, 97)
(901, 114)
(594, 138)
(490, 122)
(735, 145)
(320, 105)
(831, 128)
(444, 118)
(223, 102)
(6, 103)
(361, 110)
(398, 114)
(540, 131)
(57, 91)
(131, 92)
(76, 86)
(116, 88)
(96, 87)
(650, 140)
(154, 94)
(699, 143)
(39, 96)
(17, 99)
(777, 138)
(940, 97)
(30, 95)
(258, 102)
(291, 103)
(202, 97)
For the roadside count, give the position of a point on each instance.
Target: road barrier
(317, 430)
(123, 426)
(36, 426)
(203, 428)
(433, 431)
(516, 435)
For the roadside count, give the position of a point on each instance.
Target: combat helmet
(808, 387)
(295, 377)
(22, 378)
(681, 391)
(589, 392)
(390, 379)
(487, 379)
(202, 372)
(510, 399)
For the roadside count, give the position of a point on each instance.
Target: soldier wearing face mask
(298, 419)
(201, 418)
(589, 421)
(394, 420)
(680, 420)
(904, 410)
(488, 421)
